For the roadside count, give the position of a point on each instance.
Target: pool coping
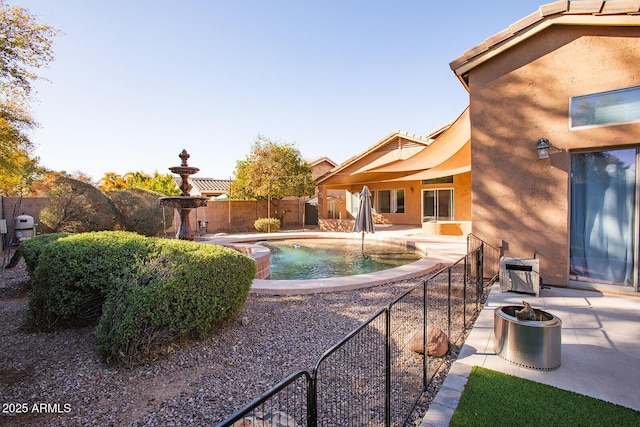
(438, 253)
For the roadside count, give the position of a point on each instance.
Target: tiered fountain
(184, 202)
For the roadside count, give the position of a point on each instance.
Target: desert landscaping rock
(195, 382)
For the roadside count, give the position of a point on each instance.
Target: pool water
(321, 258)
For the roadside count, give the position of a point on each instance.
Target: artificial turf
(492, 398)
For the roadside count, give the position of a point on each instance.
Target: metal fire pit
(533, 344)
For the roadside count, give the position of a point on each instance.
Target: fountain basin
(184, 202)
(533, 344)
(184, 170)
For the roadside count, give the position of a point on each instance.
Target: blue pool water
(322, 258)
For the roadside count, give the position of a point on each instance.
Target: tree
(25, 45)
(139, 210)
(47, 180)
(272, 171)
(163, 184)
(76, 207)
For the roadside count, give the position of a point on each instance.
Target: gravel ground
(57, 378)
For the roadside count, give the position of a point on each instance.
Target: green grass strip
(492, 398)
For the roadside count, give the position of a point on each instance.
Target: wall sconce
(543, 148)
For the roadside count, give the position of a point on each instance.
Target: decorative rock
(266, 419)
(437, 342)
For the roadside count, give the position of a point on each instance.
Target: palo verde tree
(25, 45)
(271, 171)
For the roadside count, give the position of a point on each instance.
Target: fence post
(387, 368)
(449, 302)
(464, 292)
(425, 332)
(312, 402)
(480, 274)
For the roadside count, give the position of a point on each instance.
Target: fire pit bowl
(533, 344)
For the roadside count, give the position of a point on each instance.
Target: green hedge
(263, 225)
(75, 273)
(33, 247)
(144, 292)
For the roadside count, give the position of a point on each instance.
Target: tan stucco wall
(522, 95)
(413, 199)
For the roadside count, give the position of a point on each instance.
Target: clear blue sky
(135, 82)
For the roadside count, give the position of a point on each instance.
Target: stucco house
(414, 180)
(554, 107)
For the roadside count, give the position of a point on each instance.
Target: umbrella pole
(363, 242)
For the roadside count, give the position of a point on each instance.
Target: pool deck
(440, 250)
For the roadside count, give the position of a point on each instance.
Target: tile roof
(587, 12)
(394, 138)
(210, 184)
(318, 160)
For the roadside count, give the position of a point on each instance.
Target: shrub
(77, 207)
(139, 211)
(32, 248)
(145, 292)
(263, 225)
(74, 275)
(181, 293)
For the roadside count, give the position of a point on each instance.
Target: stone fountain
(184, 202)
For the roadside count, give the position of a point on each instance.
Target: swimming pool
(303, 259)
(434, 250)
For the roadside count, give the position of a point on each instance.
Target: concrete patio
(600, 348)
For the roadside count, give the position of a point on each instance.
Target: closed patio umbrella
(364, 218)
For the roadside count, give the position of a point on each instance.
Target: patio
(600, 349)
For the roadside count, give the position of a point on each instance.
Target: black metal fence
(374, 376)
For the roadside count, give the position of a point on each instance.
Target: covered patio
(415, 180)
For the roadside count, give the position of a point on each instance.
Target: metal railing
(372, 376)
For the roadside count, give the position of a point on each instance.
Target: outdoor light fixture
(543, 148)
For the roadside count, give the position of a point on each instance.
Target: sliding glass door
(604, 223)
(437, 205)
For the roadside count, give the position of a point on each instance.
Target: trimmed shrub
(264, 224)
(32, 248)
(77, 207)
(75, 273)
(181, 293)
(145, 292)
(139, 211)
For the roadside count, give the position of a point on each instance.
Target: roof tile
(585, 6)
(500, 37)
(210, 184)
(621, 6)
(476, 50)
(525, 22)
(553, 8)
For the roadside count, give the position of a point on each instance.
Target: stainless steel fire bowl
(533, 344)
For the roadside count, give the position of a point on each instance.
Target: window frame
(393, 195)
(628, 107)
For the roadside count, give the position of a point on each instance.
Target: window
(441, 180)
(616, 106)
(437, 205)
(390, 201)
(603, 217)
